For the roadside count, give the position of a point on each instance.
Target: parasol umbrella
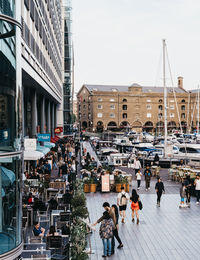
(7, 176)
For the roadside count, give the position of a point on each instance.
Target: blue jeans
(107, 246)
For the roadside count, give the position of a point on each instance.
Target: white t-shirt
(139, 175)
(197, 187)
(137, 164)
(120, 195)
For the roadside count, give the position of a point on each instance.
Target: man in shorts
(122, 200)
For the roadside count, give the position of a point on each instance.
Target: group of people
(110, 220)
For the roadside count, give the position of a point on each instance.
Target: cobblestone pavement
(163, 233)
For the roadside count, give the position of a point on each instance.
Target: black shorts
(122, 207)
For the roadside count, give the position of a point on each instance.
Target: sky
(119, 42)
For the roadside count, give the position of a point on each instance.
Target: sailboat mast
(165, 100)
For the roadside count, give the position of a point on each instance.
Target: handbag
(140, 204)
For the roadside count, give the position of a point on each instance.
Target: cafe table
(55, 213)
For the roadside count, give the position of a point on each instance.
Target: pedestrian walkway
(163, 233)
(92, 153)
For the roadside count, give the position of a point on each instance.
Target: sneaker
(149, 188)
(120, 246)
(104, 256)
(138, 221)
(146, 189)
(133, 219)
(197, 202)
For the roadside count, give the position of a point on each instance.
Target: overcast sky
(119, 42)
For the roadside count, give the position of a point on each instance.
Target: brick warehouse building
(140, 108)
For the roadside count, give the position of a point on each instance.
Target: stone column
(55, 115)
(42, 127)
(48, 117)
(34, 114)
(52, 119)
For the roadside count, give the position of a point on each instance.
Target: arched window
(124, 115)
(160, 115)
(124, 100)
(160, 107)
(183, 100)
(183, 115)
(160, 101)
(183, 107)
(124, 107)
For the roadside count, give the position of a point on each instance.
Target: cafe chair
(54, 243)
(65, 216)
(41, 257)
(35, 240)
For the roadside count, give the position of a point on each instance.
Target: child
(138, 178)
(182, 194)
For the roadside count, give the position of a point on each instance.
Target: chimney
(180, 82)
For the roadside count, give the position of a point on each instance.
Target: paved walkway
(163, 233)
(92, 153)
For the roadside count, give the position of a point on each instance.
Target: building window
(112, 106)
(99, 99)
(160, 101)
(183, 100)
(148, 115)
(148, 107)
(84, 106)
(99, 115)
(112, 115)
(171, 115)
(183, 107)
(124, 107)
(99, 106)
(160, 116)
(124, 100)
(183, 115)
(114, 89)
(171, 106)
(112, 100)
(124, 115)
(160, 107)
(148, 100)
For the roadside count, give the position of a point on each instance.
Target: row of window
(124, 107)
(44, 36)
(149, 115)
(148, 100)
(26, 35)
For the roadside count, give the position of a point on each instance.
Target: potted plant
(121, 181)
(86, 185)
(93, 185)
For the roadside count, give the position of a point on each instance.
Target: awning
(49, 144)
(42, 149)
(55, 139)
(32, 155)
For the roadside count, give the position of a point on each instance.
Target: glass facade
(10, 128)
(68, 72)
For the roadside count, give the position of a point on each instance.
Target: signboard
(105, 183)
(44, 137)
(58, 130)
(30, 144)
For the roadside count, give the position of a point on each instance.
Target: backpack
(123, 200)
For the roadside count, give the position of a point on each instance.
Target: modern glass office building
(68, 71)
(10, 129)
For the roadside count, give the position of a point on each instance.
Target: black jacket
(160, 186)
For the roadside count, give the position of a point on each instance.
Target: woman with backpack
(135, 205)
(122, 200)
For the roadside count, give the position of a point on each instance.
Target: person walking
(159, 187)
(197, 188)
(106, 233)
(182, 195)
(111, 212)
(115, 231)
(187, 183)
(135, 205)
(137, 165)
(122, 200)
(147, 175)
(138, 178)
